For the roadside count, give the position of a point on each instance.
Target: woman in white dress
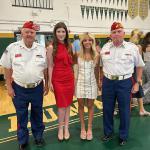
(86, 84)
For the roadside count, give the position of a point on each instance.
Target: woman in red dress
(61, 77)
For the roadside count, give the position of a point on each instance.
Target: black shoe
(106, 138)
(40, 142)
(22, 146)
(122, 142)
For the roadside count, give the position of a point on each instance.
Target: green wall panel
(4, 42)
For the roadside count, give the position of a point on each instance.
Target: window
(41, 37)
(42, 4)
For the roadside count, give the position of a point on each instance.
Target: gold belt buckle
(30, 85)
(113, 77)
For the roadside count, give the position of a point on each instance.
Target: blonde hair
(93, 48)
(139, 35)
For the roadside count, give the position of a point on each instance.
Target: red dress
(63, 77)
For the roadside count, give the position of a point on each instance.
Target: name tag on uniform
(39, 56)
(18, 55)
(107, 53)
(128, 54)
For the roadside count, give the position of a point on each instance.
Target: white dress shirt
(27, 64)
(120, 60)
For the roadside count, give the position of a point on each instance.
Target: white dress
(86, 86)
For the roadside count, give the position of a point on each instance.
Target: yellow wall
(6, 35)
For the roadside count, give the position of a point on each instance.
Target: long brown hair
(66, 40)
(146, 41)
